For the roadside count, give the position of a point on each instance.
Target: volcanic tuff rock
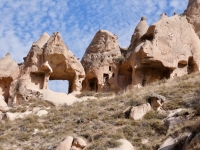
(9, 71)
(166, 49)
(48, 59)
(99, 63)
(192, 12)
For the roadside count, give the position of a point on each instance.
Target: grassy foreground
(101, 122)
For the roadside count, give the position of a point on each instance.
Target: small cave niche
(93, 84)
(192, 66)
(37, 80)
(109, 68)
(5, 87)
(182, 64)
(113, 75)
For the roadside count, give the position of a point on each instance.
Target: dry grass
(101, 122)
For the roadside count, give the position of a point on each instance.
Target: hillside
(101, 121)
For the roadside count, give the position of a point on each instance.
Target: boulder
(58, 99)
(79, 143)
(41, 113)
(66, 144)
(13, 116)
(172, 122)
(137, 112)
(125, 145)
(156, 101)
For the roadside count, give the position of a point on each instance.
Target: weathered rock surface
(137, 112)
(72, 143)
(125, 145)
(9, 71)
(66, 144)
(156, 101)
(192, 13)
(59, 98)
(99, 63)
(3, 105)
(48, 59)
(169, 48)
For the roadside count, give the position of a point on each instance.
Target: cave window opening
(109, 68)
(143, 82)
(61, 86)
(113, 75)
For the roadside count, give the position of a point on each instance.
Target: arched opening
(4, 88)
(59, 86)
(192, 66)
(93, 84)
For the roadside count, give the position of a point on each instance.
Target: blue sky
(23, 21)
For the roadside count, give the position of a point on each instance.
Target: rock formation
(9, 71)
(166, 49)
(192, 13)
(48, 59)
(99, 63)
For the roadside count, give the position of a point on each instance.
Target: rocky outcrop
(9, 71)
(125, 145)
(48, 59)
(156, 101)
(169, 48)
(192, 13)
(137, 112)
(99, 63)
(72, 143)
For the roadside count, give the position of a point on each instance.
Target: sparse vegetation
(101, 122)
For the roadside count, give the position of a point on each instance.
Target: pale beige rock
(66, 144)
(99, 63)
(58, 99)
(41, 113)
(125, 145)
(13, 116)
(79, 143)
(42, 40)
(3, 105)
(156, 101)
(137, 112)
(192, 12)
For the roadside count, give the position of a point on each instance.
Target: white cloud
(24, 21)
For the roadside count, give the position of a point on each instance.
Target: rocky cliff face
(168, 48)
